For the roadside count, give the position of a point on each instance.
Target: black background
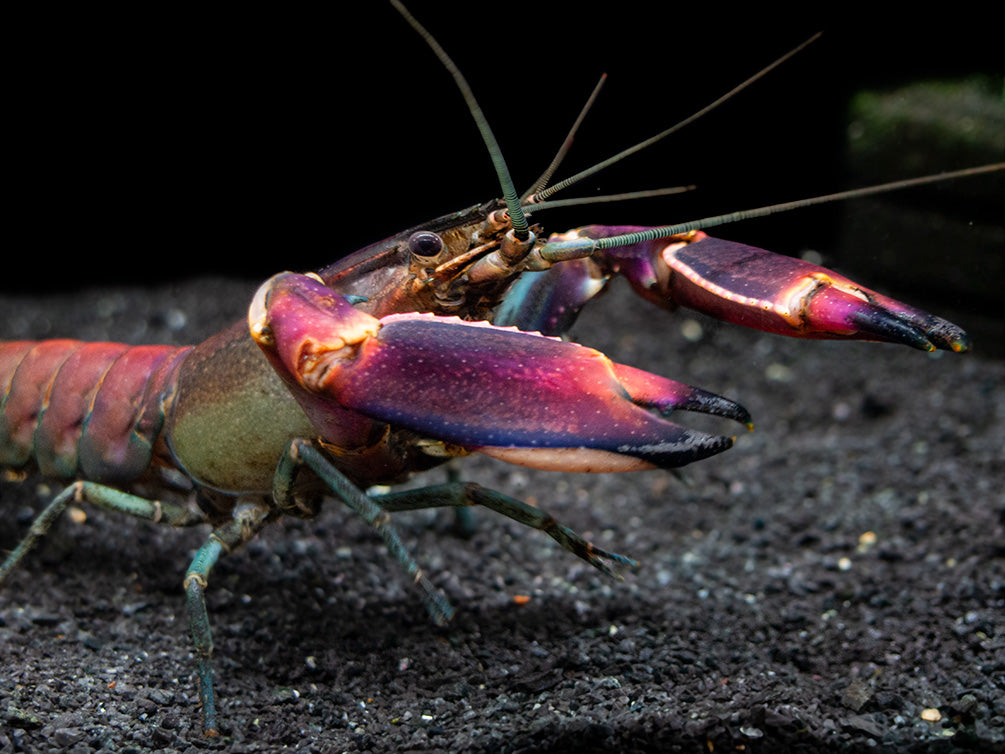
(164, 145)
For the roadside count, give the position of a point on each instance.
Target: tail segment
(93, 409)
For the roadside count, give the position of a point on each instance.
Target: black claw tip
(705, 402)
(926, 333)
(883, 325)
(688, 447)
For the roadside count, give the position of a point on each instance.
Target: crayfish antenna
(563, 184)
(542, 182)
(557, 251)
(521, 229)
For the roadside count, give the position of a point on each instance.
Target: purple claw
(730, 281)
(767, 291)
(518, 396)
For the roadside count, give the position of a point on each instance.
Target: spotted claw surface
(518, 396)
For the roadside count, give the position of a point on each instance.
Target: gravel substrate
(834, 581)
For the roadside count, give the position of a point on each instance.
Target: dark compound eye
(423, 243)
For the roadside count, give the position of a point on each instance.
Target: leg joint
(198, 579)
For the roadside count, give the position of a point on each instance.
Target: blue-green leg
(303, 453)
(102, 496)
(462, 495)
(196, 581)
(248, 521)
(464, 520)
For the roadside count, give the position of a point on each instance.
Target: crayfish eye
(425, 244)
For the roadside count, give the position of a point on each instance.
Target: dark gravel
(818, 587)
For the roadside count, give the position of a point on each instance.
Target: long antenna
(542, 182)
(544, 194)
(562, 250)
(520, 227)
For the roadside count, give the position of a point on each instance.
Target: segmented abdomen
(88, 409)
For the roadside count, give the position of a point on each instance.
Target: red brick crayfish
(437, 342)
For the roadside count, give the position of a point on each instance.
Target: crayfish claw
(517, 396)
(766, 291)
(740, 284)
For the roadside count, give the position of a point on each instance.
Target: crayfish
(441, 341)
